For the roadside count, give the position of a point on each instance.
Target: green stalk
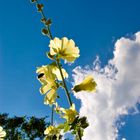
(52, 115)
(79, 134)
(48, 27)
(64, 83)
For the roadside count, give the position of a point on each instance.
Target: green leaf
(74, 132)
(83, 122)
(61, 126)
(74, 123)
(66, 128)
(85, 125)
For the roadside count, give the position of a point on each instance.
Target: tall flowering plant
(52, 77)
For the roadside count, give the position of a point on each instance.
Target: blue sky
(94, 25)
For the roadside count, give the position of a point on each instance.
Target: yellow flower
(47, 76)
(49, 73)
(64, 49)
(2, 133)
(51, 131)
(69, 114)
(49, 86)
(88, 84)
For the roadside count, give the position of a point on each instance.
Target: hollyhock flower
(64, 49)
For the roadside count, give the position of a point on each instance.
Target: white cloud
(118, 90)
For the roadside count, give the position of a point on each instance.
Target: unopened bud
(44, 31)
(39, 7)
(43, 20)
(48, 22)
(33, 1)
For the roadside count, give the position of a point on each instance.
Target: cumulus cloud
(118, 90)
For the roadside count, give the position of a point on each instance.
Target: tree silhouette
(23, 128)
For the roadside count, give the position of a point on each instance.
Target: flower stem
(52, 115)
(48, 26)
(79, 134)
(64, 83)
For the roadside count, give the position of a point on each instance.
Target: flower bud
(39, 7)
(44, 31)
(48, 22)
(43, 20)
(33, 1)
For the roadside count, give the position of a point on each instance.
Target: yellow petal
(51, 97)
(56, 71)
(47, 71)
(69, 114)
(70, 51)
(72, 107)
(45, 88)
(55, 46)
(51, 130)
